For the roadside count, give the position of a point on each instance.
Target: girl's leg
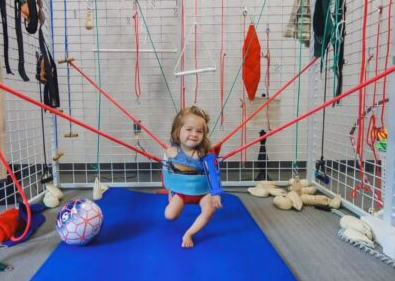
(204, 217)
(174, 208)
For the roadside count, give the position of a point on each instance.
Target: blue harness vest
(197, 184)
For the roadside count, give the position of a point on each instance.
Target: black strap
(51, 88)
(32, 24)
(19, 39)
(3, 9)
(340, 15)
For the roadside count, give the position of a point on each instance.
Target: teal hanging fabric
(330, 26)
(322, 26)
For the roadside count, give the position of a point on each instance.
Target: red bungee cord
(312, 111)
(267, 76)
(386, 61)
(182, 62)
(361, 102)
(222, 65)
(195, 53)
(372, 127)
(111, 99)
(217, 147)
(78, 122)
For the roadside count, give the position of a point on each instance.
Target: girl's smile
(191, 133)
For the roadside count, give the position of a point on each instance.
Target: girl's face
(192, 132)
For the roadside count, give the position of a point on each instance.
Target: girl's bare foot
(187, 241)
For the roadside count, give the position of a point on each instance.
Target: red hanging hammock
(252, 62)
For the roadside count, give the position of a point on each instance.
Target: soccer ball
(79, 221)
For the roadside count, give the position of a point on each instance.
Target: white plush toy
(50, 200)
(296, 201)
(347, 222)
(283, 203)
(357, 236)
(98, 189)
(266, 188)
(258, 192)
(52, 196)
(54, 190)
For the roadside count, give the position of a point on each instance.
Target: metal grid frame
(341, 164)
(117, 166)
(24, 145)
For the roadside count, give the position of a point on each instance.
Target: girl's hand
(216, 201)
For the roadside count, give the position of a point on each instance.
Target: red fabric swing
(252, 62)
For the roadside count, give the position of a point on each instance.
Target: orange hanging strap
(389, 19)
(196, 55)
(252, 62)
(243, 154)
(267, 76)
(222, 65)
(182, 62)
(137, 87)
(361, 103)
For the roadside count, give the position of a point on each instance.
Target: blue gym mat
(137, 243)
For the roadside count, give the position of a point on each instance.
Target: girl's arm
(213, 173)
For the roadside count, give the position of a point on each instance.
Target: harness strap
(340, 33)
(51, 88)
(185, 184)
(3, 10)
(19, 39)
(31, 24)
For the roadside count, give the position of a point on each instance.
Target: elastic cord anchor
(46, 176)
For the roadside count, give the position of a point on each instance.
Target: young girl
(184, 159)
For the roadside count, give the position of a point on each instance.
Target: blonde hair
(178, 122)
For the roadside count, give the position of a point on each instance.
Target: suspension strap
(320, 169)
(3, 10)
(267, 76)
(353, 145)
(19, 39)
(338, 45)
(156, 54)
(182, 58)
(389, 19)
(31, 19)
(137, 85)
(237, 75)
(222, 64)
(372, 130)
(195, 53)
(361, 97)
(48, 74)
(243, 139)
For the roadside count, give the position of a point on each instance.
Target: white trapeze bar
(135, 51)
(195, 71)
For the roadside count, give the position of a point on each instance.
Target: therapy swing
(194, 28)
(216, 147)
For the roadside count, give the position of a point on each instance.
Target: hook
(176, 9)
(245, 11)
